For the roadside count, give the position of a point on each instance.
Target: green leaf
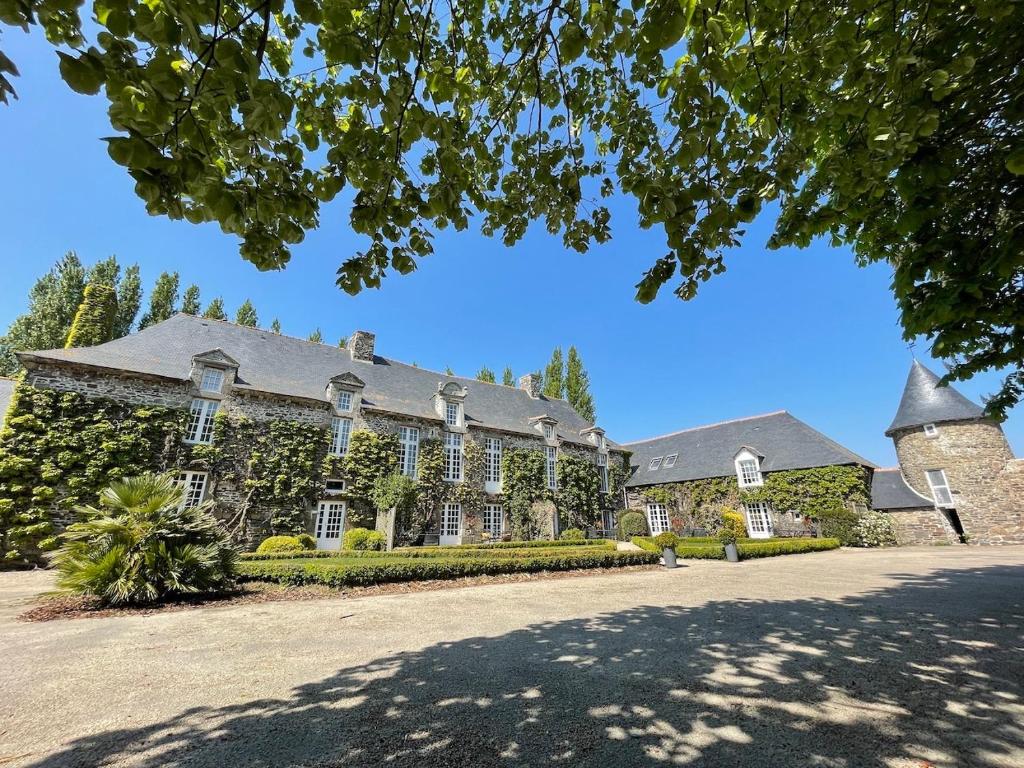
(82, 73)
(1015, 162)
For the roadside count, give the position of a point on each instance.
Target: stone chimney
(531, 383)
(360, 346)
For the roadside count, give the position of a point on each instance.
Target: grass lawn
(354, 569)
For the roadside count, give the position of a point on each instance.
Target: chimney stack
(360, 346)
(531, 383)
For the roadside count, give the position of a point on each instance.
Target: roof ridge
(708, 426)
(251, 328)
(835, 444)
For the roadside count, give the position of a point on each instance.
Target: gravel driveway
(846, 658)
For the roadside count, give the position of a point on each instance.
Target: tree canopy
(894, 127)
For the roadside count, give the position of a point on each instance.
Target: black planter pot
(669, 556)
(731, 553)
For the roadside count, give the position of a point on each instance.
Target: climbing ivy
(524, 482)
(579, 491)
(817, 492)
(431, 488)
(58, 449)
(370, 455)
(470, 492)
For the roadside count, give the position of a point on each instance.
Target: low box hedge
(711, 549)
(517, 545)
(417, 552)
(358, 572)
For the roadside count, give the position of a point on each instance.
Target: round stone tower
(950, 452)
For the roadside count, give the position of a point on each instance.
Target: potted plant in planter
(728, 538)
(732, 529)
(666, 543)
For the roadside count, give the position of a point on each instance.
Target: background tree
(94, 321)
(246, 315)
(507, 378)
(162, 300)
(342, 342)
(554, 382)
(275, 326)
(896, 128)
(129, 300)
(190, 301)
(485, 374)
(215, 310)
(448, 371)
(316, 336)
(577, 386)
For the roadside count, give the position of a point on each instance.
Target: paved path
(848, 658)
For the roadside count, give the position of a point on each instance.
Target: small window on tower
(930, 430)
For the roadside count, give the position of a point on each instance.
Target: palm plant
(142, 544)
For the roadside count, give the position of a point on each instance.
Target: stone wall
(922, 526)
(985, 480)
(142, 391)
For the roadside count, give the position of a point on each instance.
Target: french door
(451, 524)
(330, 522)
(759, 519)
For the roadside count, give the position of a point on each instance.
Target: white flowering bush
(874, 529)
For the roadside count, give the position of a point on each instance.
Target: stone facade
(986, 482)
(925, 525)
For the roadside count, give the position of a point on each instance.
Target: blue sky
(806, 330)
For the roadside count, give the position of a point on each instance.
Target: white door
(759, 520)
(330, 521)
(451, 524)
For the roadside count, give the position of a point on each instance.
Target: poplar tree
(554, 381)
(215, 310)
(275, 326)
(246, 315)
(105, 272)
(316, 337)
(577, 386)
(162, 300)
(95, 318)
(129, 299)
(507, 378)
(485, 374)
(190, 301)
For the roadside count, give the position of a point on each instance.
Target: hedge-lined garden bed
(360, 571)
(709, 549)
(533, 544)
(429, 552)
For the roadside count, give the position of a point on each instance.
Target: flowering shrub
(874, 529)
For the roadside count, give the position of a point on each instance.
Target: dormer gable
(546, 426)
(213, 371)
(595, 436)
(449, 403)
(344, 392)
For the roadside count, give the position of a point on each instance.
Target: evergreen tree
(215, 310)
(275, 326)
(52, 304)
(577, 386)
(246, 315)
(106, 272)
(485, 374)
(316, 337)
(190, 301)
(554, 382)
(94, 321)
(129, 298)
(507, 378)
(342, 342)
(162, 300)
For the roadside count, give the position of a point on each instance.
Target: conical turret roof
(925, 402)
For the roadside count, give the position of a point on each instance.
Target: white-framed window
(657, 518)
(194, 484)
(451, 520)
(655, 463)
(344, 402)
(551, 465)
(451, 414)
(492, 460)
(549, 432)
(408, 450)
(930, 430)
(212, 381)
(200, 422)
(334, 486)
(670, 460)
(341, 430)
(748, 470)
(940, 487)
(453, 456)
(493, 520)
(602, 471)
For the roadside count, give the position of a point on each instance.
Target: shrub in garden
(363, 539)
(666, 540)
(573, 534)
(874, 529)
(732, 524)
(307, 541)
(281, 544)
(633, 523)
(839, 524)
(140, 545)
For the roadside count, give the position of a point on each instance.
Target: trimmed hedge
(515, 545)
(710, 549)
(280, 544)
(356, 572)
(421, 552)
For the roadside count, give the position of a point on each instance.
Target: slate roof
(924, 402)
(283, 365)
(889, 490)
(6, 390)
(782, 440)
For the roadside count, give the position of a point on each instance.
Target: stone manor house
(957, 478)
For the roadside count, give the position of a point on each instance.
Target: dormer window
(344, 401)
(748, 470)
(549, 432)
(655, 463)
(670, 460)
(213, 380)
(930, 430)
(452, 413)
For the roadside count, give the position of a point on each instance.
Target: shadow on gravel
(930, 671)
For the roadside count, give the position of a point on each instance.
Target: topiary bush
(281, 544)
(874, 529)
(573, 534)
(363, 539)
(733, 525)
(307, 541)
(141, 545)
(633, 523)
(666, 540)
